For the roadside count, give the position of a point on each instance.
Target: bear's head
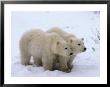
(77, 45)
(61, 48)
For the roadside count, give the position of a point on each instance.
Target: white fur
(44, 47)
(72, 40)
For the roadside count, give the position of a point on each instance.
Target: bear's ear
(82, 39)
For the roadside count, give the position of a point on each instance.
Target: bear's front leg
(70, 65)
(37, 61)
(63, 65)
(47, 63)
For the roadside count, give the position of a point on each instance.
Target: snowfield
(82, 24)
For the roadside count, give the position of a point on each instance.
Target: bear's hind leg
(25, 58)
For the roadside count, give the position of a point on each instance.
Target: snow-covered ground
(82, 24)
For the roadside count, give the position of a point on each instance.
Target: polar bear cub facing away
(44, 47)
(76, 44)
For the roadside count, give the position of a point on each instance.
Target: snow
(83, 24)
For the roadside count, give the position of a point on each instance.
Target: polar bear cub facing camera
(44, 47)
(76, 44)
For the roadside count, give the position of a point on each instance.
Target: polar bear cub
(76, 44)
(44, 47)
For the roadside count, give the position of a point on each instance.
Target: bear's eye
(66, 48)
(79, 44)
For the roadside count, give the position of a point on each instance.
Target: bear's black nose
(71, 53)
(84, 49)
